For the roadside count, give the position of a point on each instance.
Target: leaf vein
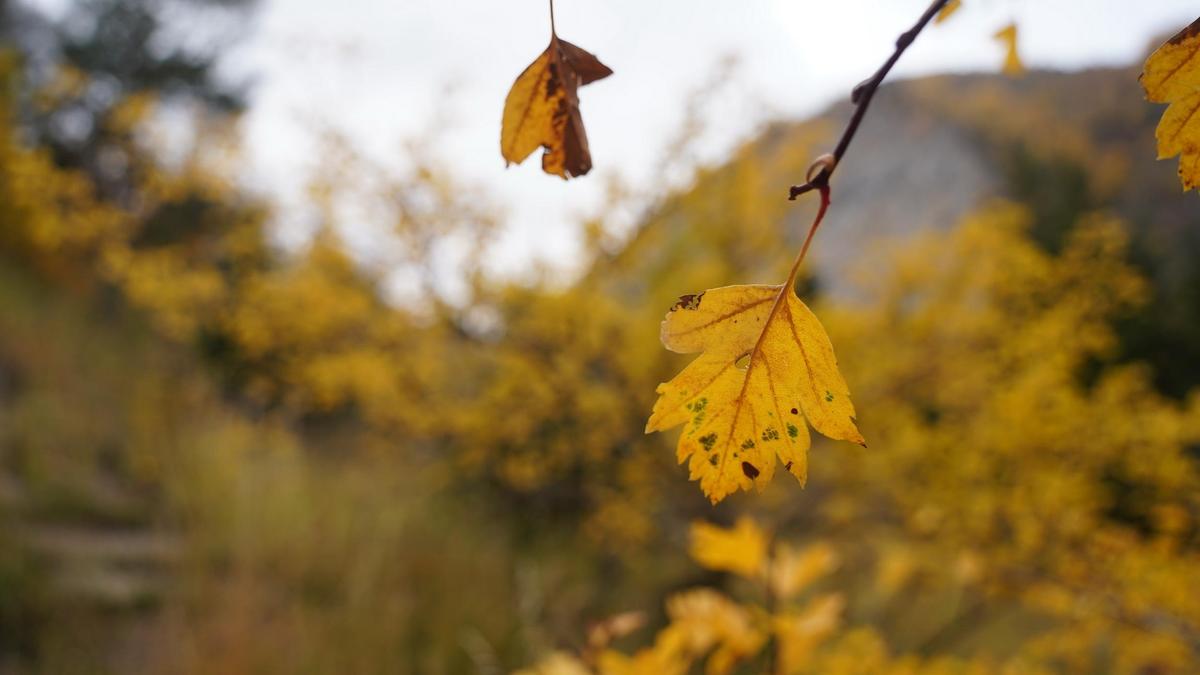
(724, 317)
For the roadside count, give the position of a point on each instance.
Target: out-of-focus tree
(85, 64)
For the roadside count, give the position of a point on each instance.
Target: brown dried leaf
(542, 110)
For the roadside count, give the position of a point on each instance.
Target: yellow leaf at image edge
(1172, 75)
(738, 420)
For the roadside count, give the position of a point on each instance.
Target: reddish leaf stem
(861, 97)
(812, 230)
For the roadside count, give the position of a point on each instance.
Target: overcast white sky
(375, 68)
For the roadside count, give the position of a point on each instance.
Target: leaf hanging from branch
(737, 419)
(542, 110)
(1172, 75)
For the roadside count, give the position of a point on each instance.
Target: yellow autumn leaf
(703, 619)
(649, 661)
(1172, 75)
(542, 110)
(948, 10)
(1007, 36)
(793, 570)
(738, 419)
(800, 633)
(741, 549)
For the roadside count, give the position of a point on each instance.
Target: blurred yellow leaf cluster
(705, 624)
(741, 549)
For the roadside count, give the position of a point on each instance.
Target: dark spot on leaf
(828, 395)
(712, 459)
(708, 442)
(792, 430)
(770, 434)
(795, 412)
(788, 466)
(750, 470)
(691, 301)
(749, 443)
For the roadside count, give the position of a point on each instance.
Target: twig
(774, 665)
(861, 97)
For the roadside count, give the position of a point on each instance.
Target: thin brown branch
(861, 97)
(774, 665)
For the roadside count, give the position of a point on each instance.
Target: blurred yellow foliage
(799, 633)
(793, 570)
(558, 663)
(741, 549)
